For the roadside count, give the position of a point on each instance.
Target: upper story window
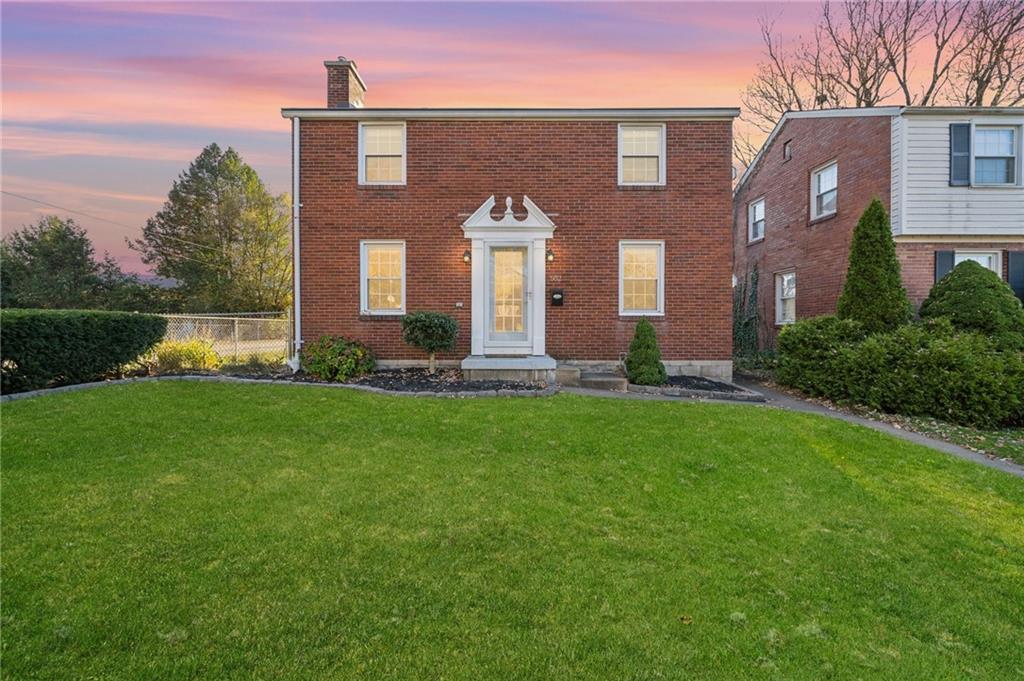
(824, 183)
(382, 280)
(641, 277)
(995, 155)
(641, 154)
(382, 153)
(755, 221)
(984, 155)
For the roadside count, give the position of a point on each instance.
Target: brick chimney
(345, 88)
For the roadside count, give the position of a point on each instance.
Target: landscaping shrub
(643, 363)
(873, 293)
(41, 348)
(431, 332)
(974, 298)
(809, 352)
(932, 370)
(171, 356)
(334, 358)
(257, 363)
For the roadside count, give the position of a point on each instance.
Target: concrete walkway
(780, 400)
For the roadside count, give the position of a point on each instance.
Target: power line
(96, 217)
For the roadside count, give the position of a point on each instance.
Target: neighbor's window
(824, 181)
(641, 154)
(785, 298)
(995, 155)
(641, 277)
(383, 277)
(382, 153)
(987, 259)
(755, 220)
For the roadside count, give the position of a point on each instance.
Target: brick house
(547, 233)
(949, 177)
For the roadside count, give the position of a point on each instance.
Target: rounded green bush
(974, 298)
(42, 348)
(431, 332)
(195, 354)
(643, 363)
(809, 350)
(334, 358)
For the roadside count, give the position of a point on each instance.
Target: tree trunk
(432, 366)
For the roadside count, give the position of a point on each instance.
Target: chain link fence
(236, 337)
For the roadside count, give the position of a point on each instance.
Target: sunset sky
(104, 104)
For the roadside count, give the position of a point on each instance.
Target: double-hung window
(824, 190)
(785, 298)
(382, 153)
(382, 277)
(995, 155)
(642, 278)
(755, 221)
(641, 154)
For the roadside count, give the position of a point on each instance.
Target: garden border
(743, 395)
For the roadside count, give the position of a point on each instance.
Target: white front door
(508, 299)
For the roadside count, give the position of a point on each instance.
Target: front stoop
(603, 381)
(531, 369)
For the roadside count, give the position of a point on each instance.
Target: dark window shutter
(1015, 260)
(959, 154)
(943, 263)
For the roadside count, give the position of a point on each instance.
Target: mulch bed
(701, 383)
(441, 381)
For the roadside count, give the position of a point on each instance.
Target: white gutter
(296, 261)
(517, 114)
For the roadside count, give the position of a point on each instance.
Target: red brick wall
(817, 251)
(917, 260)
(569, 169)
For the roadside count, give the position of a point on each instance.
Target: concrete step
(603, 381)
(569, 376)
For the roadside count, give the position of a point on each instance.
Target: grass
(183, 530)
(1005, 443)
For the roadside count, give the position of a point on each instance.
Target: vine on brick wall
(744, 316)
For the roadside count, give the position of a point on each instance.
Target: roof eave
(709, 113)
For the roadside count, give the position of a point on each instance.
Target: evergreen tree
(643, 363)
(873, 294)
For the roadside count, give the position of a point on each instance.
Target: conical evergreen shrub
(873, 294)
(974, 298)
(643, 363)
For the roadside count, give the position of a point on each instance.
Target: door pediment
(536, 224)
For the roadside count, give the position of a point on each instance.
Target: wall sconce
(550, 255)
(466, 256)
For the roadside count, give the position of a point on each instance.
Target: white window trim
(364, 307)
(1018, 152)
(778, 298)
(660, 312)
(362, 153)
(661, 155)
(998, 260)
(750, 220)
(814, 196)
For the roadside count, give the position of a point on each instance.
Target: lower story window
(641, 277)
(987, 259)
(785, 298)
(382, 274)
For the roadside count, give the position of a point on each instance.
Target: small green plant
(431, 332)
(745, 316)
(257, 363)
(643, 363)
(335, 358)
(195, 354)
(873, 293)
(974, 298)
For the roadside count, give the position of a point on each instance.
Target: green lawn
(186, 530)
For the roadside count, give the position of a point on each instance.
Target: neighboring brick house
(796, 206)
(615, 214)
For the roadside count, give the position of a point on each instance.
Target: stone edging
(674, 391)
(462, 394)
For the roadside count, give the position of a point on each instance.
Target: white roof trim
(481, 219)
(513, 114)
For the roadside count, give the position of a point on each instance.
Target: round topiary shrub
(974, 298)
(334, 358)
(643, 363)
(432, 332)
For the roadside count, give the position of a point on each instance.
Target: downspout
(296, 260)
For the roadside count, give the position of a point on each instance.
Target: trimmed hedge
(810, 350)
(43, 348)
(334, 358)
(974, 298)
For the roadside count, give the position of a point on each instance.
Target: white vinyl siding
(642, 278)
(785, 298)
(824, 190)
(925, 203)
(755, 220)
(382, 277)
(382, 153)
(641, 154)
